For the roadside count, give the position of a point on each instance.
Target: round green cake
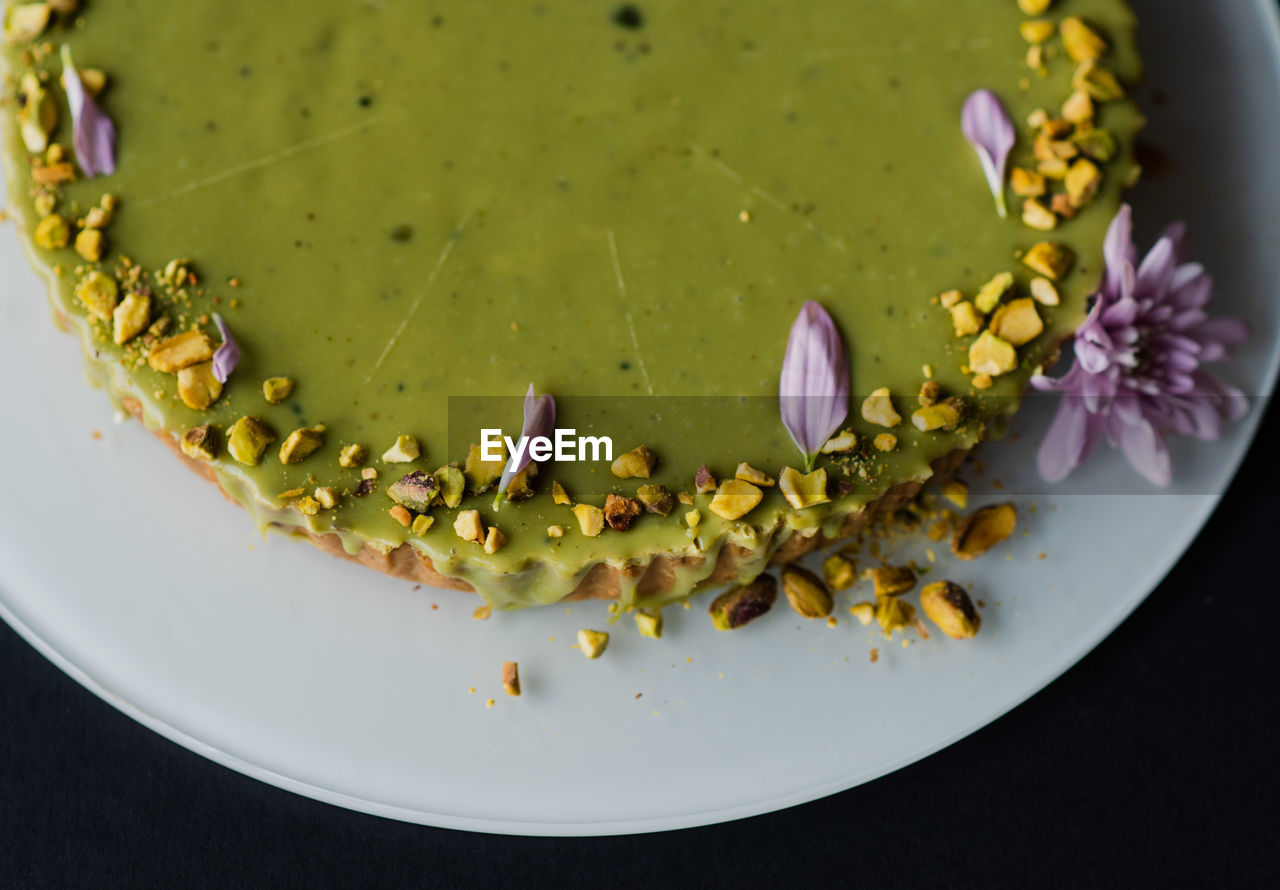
(408, 212)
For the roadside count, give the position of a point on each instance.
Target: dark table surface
(1151, 763)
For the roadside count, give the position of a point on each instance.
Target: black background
(1152, 763)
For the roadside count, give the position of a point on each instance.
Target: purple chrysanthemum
(1136, 375)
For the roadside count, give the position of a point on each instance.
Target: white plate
(329, 680)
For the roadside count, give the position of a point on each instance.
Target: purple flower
(226, 356)
(814, 387)
(1136, 375)
(539, 420)
(990, 131)
(93, 134)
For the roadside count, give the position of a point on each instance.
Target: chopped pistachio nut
(519, 489)
(590, 519)
(97, 218)
(893, 580)
(1036, 31)
(1027, 183)
(930, 392)
(1049, 259)
(942, 416)
(878, 408)
(482, 474)
(1082, 42)
(91, 244)
(198, 387)
(401, 515)
(555, 531)
(405, 450)
(176, 272)
(1097, 144)
(806, 593)
(1037, 216)
(99, 293)
(37, 117)
(368, 473)
(592, 642)
(956, 492)
(621, 512)
(26, 22)
(559, 495)
(452, 484)
(247, 439)
(991, 355)
(415, 490)
(1083, 181)
(1034, 7)
(894, 613)
(1100, 83)
(950, 298)
(965, 319)
(511, 678)
(748, 473)
(703, 481)
(734, 499)
(1043, 292)
(841, 443)
(1052, 168)
(864, 612)
(130, 317)
(276, 389)
(1017, 322)
(649, 623)
(803, 490)
(740, 606)
(181, 351)
(656, 499)
(421, 524)
(982, 381)
(636, 463)
(990, 294)
(949, 607)
(685, 498)
(885, 442)
(1078, 108)
(301, 444)
(352, 456)
(493, 540)
(840, 571)
(693, 518)
(327, 496)
(984, 529)
(45, 203)
(307, 506)
(469, 527)
(200, 442)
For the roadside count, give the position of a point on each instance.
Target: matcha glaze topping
(623, 204)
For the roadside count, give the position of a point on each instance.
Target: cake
(405, 213)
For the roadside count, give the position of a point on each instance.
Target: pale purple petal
(226, 356)
(1117, 250)
(1146, 451)
(539, 420)
(813, 389)
(93, 133)
(989, 130)
(1066, 441)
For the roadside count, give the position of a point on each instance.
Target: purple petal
(1146, 451)
(1117, 250)
(226, 356)
(93, 133)
(989, 130)
(539, 420)
(1156, 271)
(1066, 441)
(813, 389)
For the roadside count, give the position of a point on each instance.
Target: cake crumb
(875, 655)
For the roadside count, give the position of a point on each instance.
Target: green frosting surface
(427, 206)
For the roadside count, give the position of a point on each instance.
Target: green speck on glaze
(426, 200)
